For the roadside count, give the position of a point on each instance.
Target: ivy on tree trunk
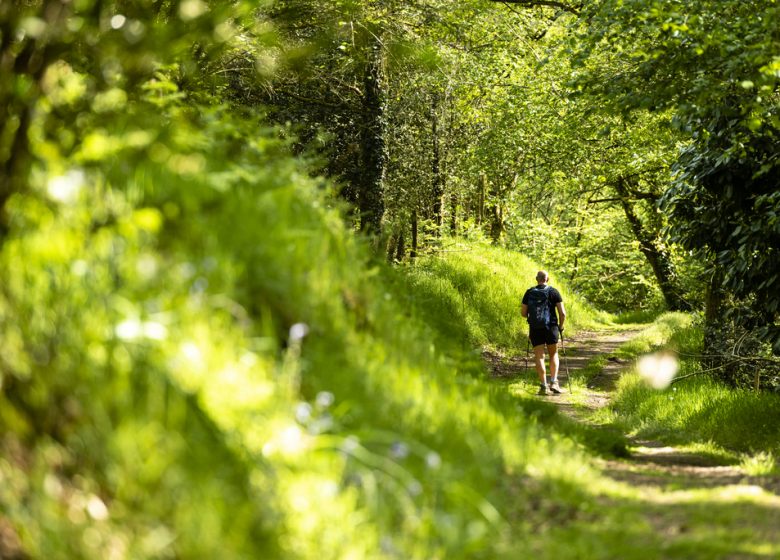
(374, 148)
(659, 259)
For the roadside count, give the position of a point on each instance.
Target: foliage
(315, 394)
(715, 65)
(200, 360)
(744, 245)
(597, 256)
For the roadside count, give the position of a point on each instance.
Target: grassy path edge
(695, 504)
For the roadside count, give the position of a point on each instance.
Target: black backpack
(539, 307)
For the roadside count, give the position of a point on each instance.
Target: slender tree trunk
(413, 251)
(396, 245)
(577, 240)
(481, 200)
(496, 223)
(400, 250)
(438, 181)
(659, 260)
(391, 245)
(374, 148)
(496, 213)
(453, 213)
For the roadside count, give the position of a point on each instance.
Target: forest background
(247, 252)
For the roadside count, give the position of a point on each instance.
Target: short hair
(542, 276)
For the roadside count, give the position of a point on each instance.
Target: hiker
(540, 304)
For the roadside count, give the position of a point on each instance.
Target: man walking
(540, 305)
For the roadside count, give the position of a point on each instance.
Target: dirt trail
(652, 463)
(667, 501)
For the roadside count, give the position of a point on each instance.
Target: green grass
(668, 330)
(602, 518)
(260, 391)
(763, 463)
(472, 294)
(276, 392)
(638, 317)
(696, 409)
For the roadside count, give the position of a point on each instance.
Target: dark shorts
(540, 337)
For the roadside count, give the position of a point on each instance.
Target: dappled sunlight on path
(673, 502)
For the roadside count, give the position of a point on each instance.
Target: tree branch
(548, 3)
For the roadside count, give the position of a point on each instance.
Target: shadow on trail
(661, 501)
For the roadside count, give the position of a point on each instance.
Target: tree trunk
(391, 245)
(481, 200)
(496, 214)
(438, 180)
(400, 250)
(577, 240)
(396, 244)
(496, 223)
(713, 317)
(453, 214)
(659, 260)
(374, 148)
(413, 251)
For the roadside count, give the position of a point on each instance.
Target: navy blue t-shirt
(553, 297)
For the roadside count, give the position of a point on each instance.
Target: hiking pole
(527, 352)
(566, 362)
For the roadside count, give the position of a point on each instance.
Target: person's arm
(561, 314)
(524, 310)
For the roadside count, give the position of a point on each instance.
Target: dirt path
(686, 499)
(652, 463)
(578, 352)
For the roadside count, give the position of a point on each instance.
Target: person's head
(542, 277)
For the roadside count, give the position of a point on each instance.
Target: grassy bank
(696, 410)
(262, 391)
(471, 293)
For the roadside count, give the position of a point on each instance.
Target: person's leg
(539, 363)
(552, 350)
(544, 389)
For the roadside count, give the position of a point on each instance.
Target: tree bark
(481, 200)
(713, 317)
(391, 245)
(660, 262)
(577, 240)
(453, 213)
(496, 223)
(400, 249)
(438, 180)
(496, 213)
(374, 148)
(413, 251)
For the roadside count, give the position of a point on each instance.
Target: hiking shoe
(555, 388)
(543, 390)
